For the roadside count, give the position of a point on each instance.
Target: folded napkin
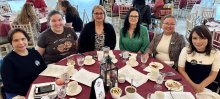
(137, 96)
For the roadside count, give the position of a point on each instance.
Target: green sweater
(135, 44)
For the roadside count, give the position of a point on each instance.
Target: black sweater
(87, 37)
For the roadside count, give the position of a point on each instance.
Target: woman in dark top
(72, 16)
(21, 66)
(199, 62)
(97, 33)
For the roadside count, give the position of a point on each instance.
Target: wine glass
(125, 55)
(61, 91)
(159, 81)
(143, 60)
(80, 61)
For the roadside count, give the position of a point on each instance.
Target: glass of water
(61, 91)
(143, 60)
(159, 81)
(105, 50)
(125, 55)
(80, 61)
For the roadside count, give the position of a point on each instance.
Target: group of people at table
(198, 62)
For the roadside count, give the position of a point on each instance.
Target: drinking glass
(61, 91)
(105, 50)
(100, 58)
(70, 61)
(80, 61)
(143, 60)
(65, 77)
(125, 55)
(159, 81)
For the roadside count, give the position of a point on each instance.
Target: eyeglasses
(169, 24)
(98, 14)
(132, 16)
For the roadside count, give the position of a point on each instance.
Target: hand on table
(197, 88)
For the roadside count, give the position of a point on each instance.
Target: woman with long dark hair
(199, 62)
(133, 36)
(72, 16)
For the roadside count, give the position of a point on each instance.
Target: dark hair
(204, 33)
(69, 8)
(13, 31)
(53, 12)
(138, 2)
(127, 24)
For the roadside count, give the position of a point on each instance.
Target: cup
(72, 86)
(159, 95)
(115, 92)
(130, 91)
(65, 77)
(88, 58)
(154, 74)
(121, 78)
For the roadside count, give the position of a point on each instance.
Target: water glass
(65, 77)
(159, 81)
(61, 91)
(80, 60)
(125, 55)
(105, 50)
(143, 60)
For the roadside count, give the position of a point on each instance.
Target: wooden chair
(28, 29)
(123, 10)
(216, 39)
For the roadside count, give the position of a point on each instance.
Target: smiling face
(56, 23)
(133, 17)
(198, 42)
(168, 25)
(19, 42)
(98, 15)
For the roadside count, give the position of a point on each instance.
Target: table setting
(128, 75)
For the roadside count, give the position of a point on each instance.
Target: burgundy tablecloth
(4, 27)
(143, 90)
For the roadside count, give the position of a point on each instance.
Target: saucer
(156, 65)
(89, 62)
(132, 64)
(78, 90)
(174, 85)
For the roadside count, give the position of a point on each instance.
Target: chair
(108, 8)
(5, 48)
(28, 29)
(123, 10)
(216, 39)
(5, 8)
(207, 13)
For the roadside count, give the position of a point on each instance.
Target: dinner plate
(78, 90)
(132, 64)
(156, 65)
(174, 85)
(89, 62)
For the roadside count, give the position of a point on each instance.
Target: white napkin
(207, 94)
(53, 70)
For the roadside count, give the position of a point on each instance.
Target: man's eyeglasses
(169, 24)
(98, 14)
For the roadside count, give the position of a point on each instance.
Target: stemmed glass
(125, 55)
(80, 61)
(159, 81)
(143, 60)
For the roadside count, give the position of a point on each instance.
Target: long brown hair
(69, 7)
(27, 14)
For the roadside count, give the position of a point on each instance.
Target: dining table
(143, 90)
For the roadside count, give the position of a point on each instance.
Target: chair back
(123, 10)
(5, 8)
(207, 13)
(190, 4)
(108, 8)
(28, 29)
(216, 39)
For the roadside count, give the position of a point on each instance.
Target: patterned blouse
(99, 41)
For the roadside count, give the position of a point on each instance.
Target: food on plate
(154, 66)
(173, 84)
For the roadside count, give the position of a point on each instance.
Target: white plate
(78, 90)
(132, 64)
(159, 65)
(114, 60)
(90, 62)
(173, 85)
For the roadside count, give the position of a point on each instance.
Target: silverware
(169, 73)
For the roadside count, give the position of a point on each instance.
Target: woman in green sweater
(133, 36)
